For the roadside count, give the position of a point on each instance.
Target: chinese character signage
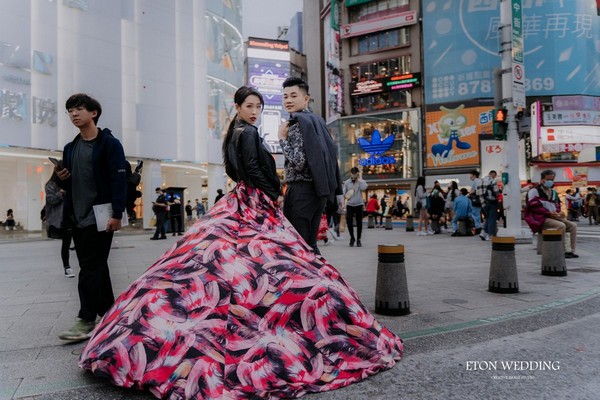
(462, 42)
(571, 118)
(452, 135)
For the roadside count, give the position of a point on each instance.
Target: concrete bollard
(553, 253)
(370, 221)
(568, 248)
(391, 290)
(462, 228)
(410, 223)
(388, 223)
(503, 266)
(539, 243)
(435, 226)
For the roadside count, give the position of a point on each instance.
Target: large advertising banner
(462, 43)
(452, 135)
(268, 66)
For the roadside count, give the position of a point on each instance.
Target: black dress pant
(161, 218)
(353, 212)
(303, 208)
(95, 288)
(176, 224)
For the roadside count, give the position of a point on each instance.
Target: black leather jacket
(251, 162)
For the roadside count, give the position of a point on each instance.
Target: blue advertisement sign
(267, 77)
(462, 42)
(376, 147)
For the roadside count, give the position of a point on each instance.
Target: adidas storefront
(384, 146)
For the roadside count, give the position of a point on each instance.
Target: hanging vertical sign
(335, 15)
(518, 70)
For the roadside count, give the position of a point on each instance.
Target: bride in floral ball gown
(240, 307)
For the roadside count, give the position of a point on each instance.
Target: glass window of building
(380, 41)
(377, 9)
(380, 69)
(382, 146)
(381, 101)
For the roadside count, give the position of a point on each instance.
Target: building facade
(164, 72)
(370, 71)
(555, 42)
(422, 71)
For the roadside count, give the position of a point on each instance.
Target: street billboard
(453, 132)
(462, 43)
(268, 66)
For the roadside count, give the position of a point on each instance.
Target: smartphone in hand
(56, 162)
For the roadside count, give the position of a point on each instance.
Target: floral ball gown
(239, 308)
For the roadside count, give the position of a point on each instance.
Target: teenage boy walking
(93, 172)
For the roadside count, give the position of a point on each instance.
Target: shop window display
(382, 146)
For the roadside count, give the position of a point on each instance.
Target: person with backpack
(543, 211)
(490, 192)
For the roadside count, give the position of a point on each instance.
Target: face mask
(549, 183)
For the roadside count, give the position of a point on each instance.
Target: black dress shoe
(358, 243)
(153, 238)
(352, 242)
(571, 255)
(162, 237)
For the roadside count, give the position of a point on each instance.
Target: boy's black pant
(95, 288)
(303, 208)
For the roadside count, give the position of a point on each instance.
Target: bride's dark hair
(238, 98)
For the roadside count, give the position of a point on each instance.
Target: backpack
(490, 194)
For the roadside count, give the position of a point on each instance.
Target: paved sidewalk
(447, 282)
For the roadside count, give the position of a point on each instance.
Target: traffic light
(500, 125)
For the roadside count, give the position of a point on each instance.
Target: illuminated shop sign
(365, 87)
(377, 85)
(403, 82)
(375, 147)
(257, 43)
